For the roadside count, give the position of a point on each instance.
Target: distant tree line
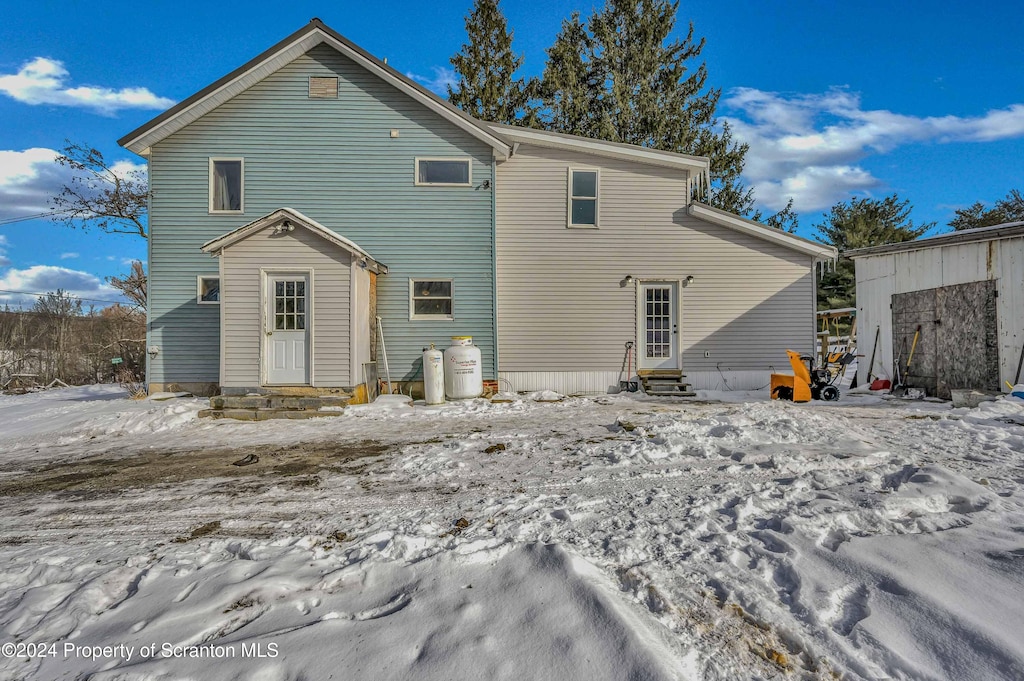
(58, 338)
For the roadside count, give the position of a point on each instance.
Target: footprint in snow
(390, 608)
(852, 607)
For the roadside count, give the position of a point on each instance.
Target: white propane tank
(463, 369)
(433, 376)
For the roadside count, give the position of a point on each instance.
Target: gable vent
(321, 87)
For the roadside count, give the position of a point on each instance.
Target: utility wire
(69, 295)
(37, 216)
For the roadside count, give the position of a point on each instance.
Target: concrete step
(671, 393)
(294, 402)
(266, 414)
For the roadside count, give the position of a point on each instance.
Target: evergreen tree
(620, 78)
(857, 224)
(569, 85)
(1010, 209)
(486, 67)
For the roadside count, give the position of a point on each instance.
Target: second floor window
(583, 198)
(226, 185)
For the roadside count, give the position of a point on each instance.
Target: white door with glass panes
(658, 325)
(287, 330)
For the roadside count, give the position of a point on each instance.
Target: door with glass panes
(287, 332)
(658, 325)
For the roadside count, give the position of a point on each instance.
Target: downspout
(494, 260)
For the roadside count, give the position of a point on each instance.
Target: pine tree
(620, 78)
(1010, 209)
(858, 224)
(486, 67)
(568, 85)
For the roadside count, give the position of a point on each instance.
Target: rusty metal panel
(969, 342)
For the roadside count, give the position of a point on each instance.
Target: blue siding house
(315, 189)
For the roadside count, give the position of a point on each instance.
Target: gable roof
(697, 166)
(215, 246)
(298, 43)
(797, 243)
(964, 236)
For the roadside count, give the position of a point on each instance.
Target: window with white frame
(430, 298)
(207, 290)
(583, 197)
(227, 183)
(443, 172)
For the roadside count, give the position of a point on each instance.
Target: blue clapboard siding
(335, 161)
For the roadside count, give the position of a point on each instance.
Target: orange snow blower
(807, 383)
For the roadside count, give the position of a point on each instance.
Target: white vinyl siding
(563, 305)
(243, 266)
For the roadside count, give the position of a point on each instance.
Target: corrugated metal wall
(881, 276)
(333, 160)
(561, 305)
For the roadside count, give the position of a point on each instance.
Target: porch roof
(292, 217)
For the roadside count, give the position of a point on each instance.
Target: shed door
(287, 330)
(659, 326)
(957, 344)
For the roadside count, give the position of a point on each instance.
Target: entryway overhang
(288, 219)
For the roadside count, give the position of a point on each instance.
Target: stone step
(266, 414)
(294, 402)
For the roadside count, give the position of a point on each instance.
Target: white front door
(287, 329)
(658, 326)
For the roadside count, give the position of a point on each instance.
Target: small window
(208, 290)
(430, 298)
(450, 172)
(583, 198)
(323, 87)
(226, 185)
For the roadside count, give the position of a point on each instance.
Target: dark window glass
(443, 172)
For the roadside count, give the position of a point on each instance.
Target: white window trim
(416, 172)
(596, 198)
(429, 317)
(199, 289)
(241, 202)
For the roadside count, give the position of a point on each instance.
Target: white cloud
(49, 278)
(808, 146)
(4, 260)
(44, 81)
(68, 256)
(30, 178)
(439, 83)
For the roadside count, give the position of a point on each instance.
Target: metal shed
(961, 294)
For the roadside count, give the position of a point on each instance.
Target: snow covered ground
(618, 537)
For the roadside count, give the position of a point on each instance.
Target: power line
(37, 216)
(69, 295)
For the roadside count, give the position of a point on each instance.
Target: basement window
(321, 87)
(430, 299)
(443, 172)
(583, 197)
(207, 290)
(227, 182)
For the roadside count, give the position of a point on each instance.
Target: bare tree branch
(96, 196)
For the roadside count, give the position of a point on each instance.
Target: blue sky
(835, 99)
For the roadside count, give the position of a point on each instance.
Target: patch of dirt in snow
(103, 475)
